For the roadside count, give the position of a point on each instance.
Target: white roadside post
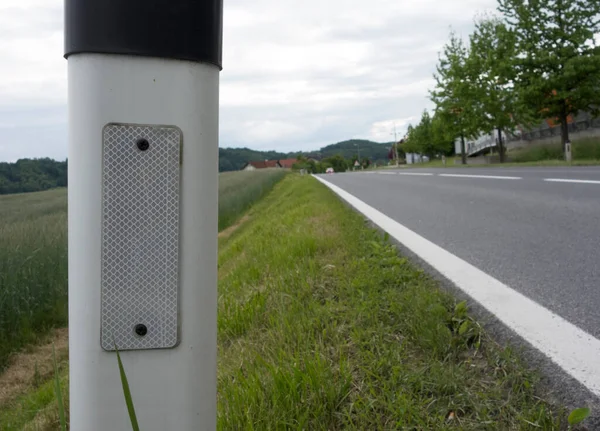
(568, 152)
(143, 198)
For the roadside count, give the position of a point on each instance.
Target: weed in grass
(577, 416)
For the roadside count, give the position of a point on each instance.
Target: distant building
(252, 166)
(285, 163)
(288, 163)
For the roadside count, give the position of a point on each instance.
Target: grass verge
(323, 326)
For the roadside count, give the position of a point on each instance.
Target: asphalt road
(540, 237)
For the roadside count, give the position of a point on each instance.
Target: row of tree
(233, 159)
(337, 162)
(32, 175)
(536, 60)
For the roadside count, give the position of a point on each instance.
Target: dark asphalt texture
(540, 238)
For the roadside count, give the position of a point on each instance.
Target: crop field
(239, 190)
(33, 254)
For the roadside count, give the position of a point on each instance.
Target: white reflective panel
(140, 236)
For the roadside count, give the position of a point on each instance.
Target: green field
(255, 184)
(33, 254)
(33, 267)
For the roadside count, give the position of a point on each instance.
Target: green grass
(583, 150)
(322, 325)
(39, 405)
(239, 190)
(33, 254)
(586, 152)
(33, 267)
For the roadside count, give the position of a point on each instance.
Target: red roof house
(288, 163)
(250, 166)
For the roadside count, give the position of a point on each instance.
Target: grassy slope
(322, 326)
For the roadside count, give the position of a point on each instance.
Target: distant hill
(233, 159)
(374, 151)
(30, 175)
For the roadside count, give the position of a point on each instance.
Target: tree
(31, 175)
(454, 92)
(422, 134)
(337, 162)
(491, 66)
(441, 135)
(558, 63)
(410, 144)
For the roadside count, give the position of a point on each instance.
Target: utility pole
(143, 190)
(396, 145)
(358, 154)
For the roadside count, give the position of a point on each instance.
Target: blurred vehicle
(329, 171)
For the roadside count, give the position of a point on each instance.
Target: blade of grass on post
(127, 394)
(61, 406)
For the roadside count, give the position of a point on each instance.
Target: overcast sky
(298, 74)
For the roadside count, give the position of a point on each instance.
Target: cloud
(298, 74)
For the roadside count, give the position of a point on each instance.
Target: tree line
(533, 60)
(233, 159)
(32, 175)
(338, 162)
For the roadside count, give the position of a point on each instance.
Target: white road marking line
(571, 348)
(421, 174)
(494, 177)
(561, 180)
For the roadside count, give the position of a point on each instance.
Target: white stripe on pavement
(571, 348)
(422, 174)
(561, 180)
(494, 177)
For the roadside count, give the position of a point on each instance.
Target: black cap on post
(179, 29)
